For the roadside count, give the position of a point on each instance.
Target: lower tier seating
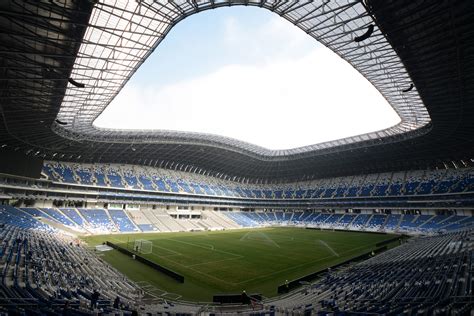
(103, 221)
(425, 276)
(43, 270)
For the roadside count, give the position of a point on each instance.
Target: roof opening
(247, 74)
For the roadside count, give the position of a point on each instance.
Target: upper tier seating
(446, 181)
(413, 224)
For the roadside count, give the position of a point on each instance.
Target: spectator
(245, 298)
(117, 302)
(94, 298)
(66, 308)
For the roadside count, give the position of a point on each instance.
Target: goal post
(143, 246)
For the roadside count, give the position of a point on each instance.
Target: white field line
(282, 270)
(200, 246)
(175, 253)
(322, 242)
(296, 266)
(215, 261)
(240, 256)
(116, 239)
(210, 246)
(197, 271)
(190, 268)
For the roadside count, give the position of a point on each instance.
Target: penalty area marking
(197, 271)
(174, 253)
(190, 267)
(210, 246)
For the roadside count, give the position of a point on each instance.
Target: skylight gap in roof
(246, 73)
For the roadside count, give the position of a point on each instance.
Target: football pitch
(255, 260)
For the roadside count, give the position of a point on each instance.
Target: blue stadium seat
(122, 221)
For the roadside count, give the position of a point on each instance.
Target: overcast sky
(248, 74)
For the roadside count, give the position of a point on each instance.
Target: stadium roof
(62, 62)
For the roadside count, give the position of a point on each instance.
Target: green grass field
(257, 260)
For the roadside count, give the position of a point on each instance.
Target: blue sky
(246, 73)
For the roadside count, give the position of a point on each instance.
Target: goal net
(143, 246)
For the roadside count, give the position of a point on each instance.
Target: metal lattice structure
(63, 63)
(121, 36)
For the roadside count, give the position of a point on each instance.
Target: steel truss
(63, 61)
(122, 34)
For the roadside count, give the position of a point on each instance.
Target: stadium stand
(435, 261)
(42, 270)
(99, 221)
(122, 221)
(373, 185)
(74, 215)
(430, 275)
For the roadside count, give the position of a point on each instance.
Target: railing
(168, 272)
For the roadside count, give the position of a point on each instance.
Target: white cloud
(273, 40)
(286, 100)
